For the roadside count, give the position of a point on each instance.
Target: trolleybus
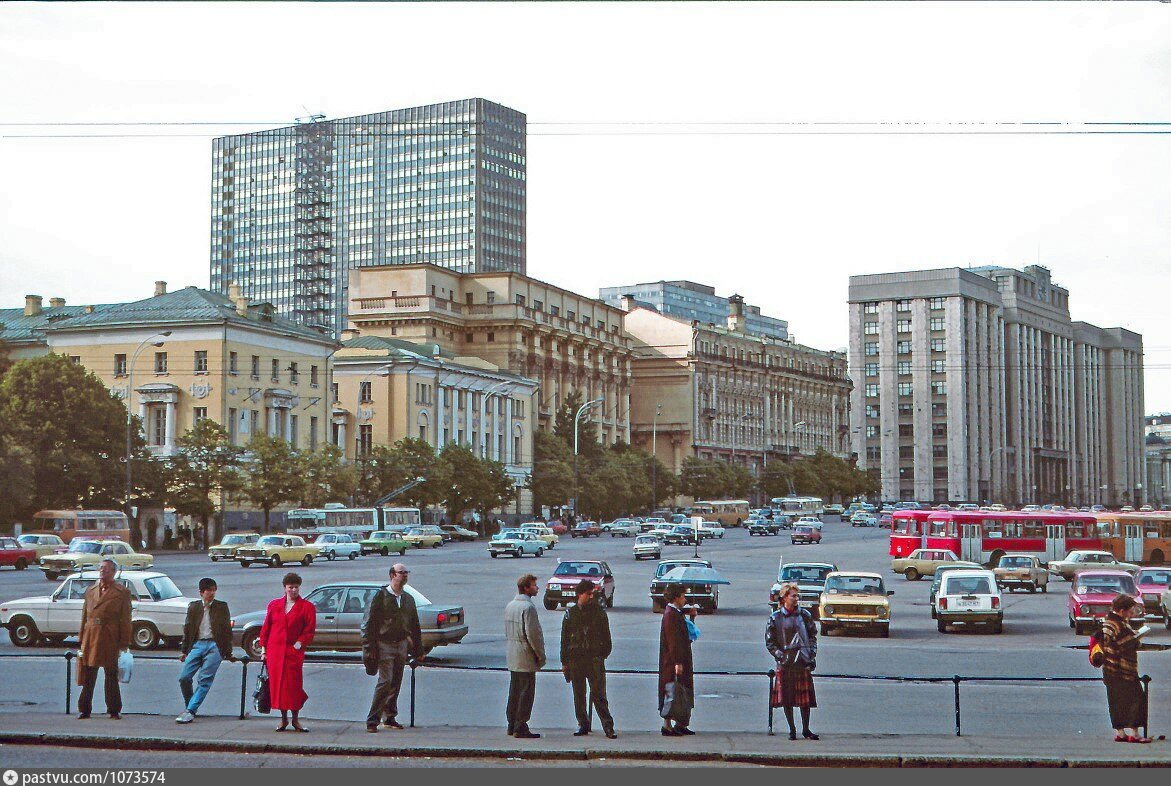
(986, 536)
(359, 522)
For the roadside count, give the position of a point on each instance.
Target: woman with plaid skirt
(791, 638)
(1124, 691)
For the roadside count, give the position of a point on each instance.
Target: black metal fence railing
(956, 680)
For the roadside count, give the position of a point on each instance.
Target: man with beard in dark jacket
(585, 645)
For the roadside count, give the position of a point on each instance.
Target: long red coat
(674, 648)
(285, 663)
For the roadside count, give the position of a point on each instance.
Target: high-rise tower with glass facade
(295, 208)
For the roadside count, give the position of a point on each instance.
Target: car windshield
(804, 530)
(233, 540)
(968, 585)
(665, 567)
(646, 541)
(584, 525)
(1105, 585)
(578, 569)
(805, 574)
(383, 535)
(161, 588)
(512, 533)
(1016, 562)
(87, 547)
(271, 540)
(1160, 577)
(862, 585)
(415, 531)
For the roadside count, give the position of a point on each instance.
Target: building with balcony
(566, 342)
(689, 301)
(717, 392)
(976, 385)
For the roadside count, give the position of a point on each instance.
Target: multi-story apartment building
(689, 301)
(718, 392)
(1158, 453)
(294, 209)
(975, 384)
(566, 342)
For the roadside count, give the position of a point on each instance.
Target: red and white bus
(986, 536)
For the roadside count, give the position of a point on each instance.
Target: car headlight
(829, 609)
(883, 612)
(1150, 596)
(1085, 610)
(555, 587)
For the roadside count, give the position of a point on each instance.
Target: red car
(586, 529)
(1090, 595)
(804, 533)
(1151, 583)
(557, 527)
(16, 555)
(560, 590)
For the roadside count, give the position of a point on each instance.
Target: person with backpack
(791, 638)
(1119, 661)
(585, 645)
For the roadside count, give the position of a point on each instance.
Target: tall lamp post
(130, 417)
(485, 396)
(655, 457)
(576, 421)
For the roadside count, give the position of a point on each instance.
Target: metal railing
(956, 680)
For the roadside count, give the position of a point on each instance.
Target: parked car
(558, 528)
(711, 529)
(969, 597)
(585, 529)
(428, 536)
(652, 522)
(14, 555)
(705, 596)
(1091, 593)
(456, 532)
(86, 554)
(550, 537)
(157, 610)
(940, 572)
(662, 531)
(803, 533)
(340, 609)
(682, 534)
(625, 528)
(648, 546)
(383, 542)
(42, 544)
(1152, 583)
(1077, 561)
(853, 600)
(863, 519)
(1021, 571)
(516, 542)
(679, 518)
(923, 562)
(834, 510)
(810, 580)
(812, 521)
(762, 526)
(332, 545)
(226, 548)
(277, 550)
(561, 588)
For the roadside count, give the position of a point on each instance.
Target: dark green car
(384, 543)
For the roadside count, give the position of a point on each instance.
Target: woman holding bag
(791, 638)
(289, 625)
(675, 664)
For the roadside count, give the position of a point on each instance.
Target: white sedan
(627, 528)
(158, 609)
(808, 521)
(711, 529)
(333, 545)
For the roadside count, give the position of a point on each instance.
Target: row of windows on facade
(903, 368)
(908, 430)
(156, 425)
(765, 359)
(365, 440)
(424, 395)
(938, 387)
(904, 305)
(870, 348)
(938, 409)
(162, 365)
(903, 326)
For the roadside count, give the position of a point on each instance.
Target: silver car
(648, 546)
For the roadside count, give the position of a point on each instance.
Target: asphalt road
(1032, 644)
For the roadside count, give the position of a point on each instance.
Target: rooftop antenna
(310, 117)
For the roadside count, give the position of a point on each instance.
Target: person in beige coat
(105, 633)
(526, 656)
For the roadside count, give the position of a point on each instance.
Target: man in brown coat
(105, 632)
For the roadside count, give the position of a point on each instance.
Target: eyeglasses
(401, 572)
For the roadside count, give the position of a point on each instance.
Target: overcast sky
(678, 185)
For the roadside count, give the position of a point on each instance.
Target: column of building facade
(509, 458)
(440, 414)
(888, 403)
(169, 426)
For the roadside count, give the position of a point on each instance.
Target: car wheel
(998, 627)
(1044, 589)
(657, 606)
(825, 629)
(23, 632)
(308, 560)
(1166, 620)
(610, 601)
(540, 552)
(912, 574)
(884, 632)
(550, 605)
(1077, 630)
(385, 551)
(516, 554)
(353, 555)
(1072, 625)
(275, 561)
(331, 556)
(144, 636)
(245, 563)
(402, 551)
(50, 576)
(251, 644)
(493, 554)
(21, 564)
(436, 545)
(941, 626)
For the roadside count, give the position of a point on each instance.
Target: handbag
(261, 699)
(125, 666)
(791, 654)
(370, 658)
(677, 702)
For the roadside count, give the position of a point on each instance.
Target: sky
(771, 150)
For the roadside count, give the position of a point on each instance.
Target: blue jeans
(204, 658)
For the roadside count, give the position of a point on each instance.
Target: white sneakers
(186, 717)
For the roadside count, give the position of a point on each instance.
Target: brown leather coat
(105, 626)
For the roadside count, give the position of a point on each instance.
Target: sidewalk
(331, 738)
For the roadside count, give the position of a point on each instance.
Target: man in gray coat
(526, 656)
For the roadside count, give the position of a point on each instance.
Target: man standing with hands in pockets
(585, 645)
(526, 656)
(391, 627)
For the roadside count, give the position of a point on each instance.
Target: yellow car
(228, 546)
(86, 554)
(419, 537)
(43, 545)
(923, 562)
(276, 550)
(855, 600)
(550, 537)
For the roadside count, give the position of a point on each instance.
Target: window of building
(555, 310)
(906, 430)
(293, 429)
(518, 407)
(313, 432)
(313, 376)
(870, 349)
(276, 370)
(873, 453)
(939, 388)
(907, 452)
(937, 323)
(871, 432)
(935, 302)
(939, 473)
(520, 300)
(905, 388)
(906, 409)
(293, 378)
(365, 438)
(516, 457)
(119, 365)
(334, 387)
(201, 361)
(232, 427)
(939, 409)
(198, 414)
(872, 369)
(601, 324)
(491, 296)
(158, 425)
(903, 347)
(902, 305)
(254, 422)
(939, 451)
(903, 367)
(365, 391)
(585, 319)
(937, 366)
(491, 336)
(938, 345)
(939, 429)
(469, 338)
(571, 316)
(160, 363)
(233, 363)
(872, 391)
(903, 325)
(870, 328)
(872, 410)
(538, 305)
(869, 308)
(256, 366)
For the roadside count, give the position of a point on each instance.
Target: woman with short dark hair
(675, 663)
(1124, 692)
(289, 624)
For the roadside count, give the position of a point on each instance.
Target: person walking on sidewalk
(289, 625)
(791, 638)
(526, 656)
(675, 664)
(391, 633)
(585, 645)
(207, 641)
(1124, 691)
(105, 634)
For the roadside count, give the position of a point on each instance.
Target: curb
(562, 754)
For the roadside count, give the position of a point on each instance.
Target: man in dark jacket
(585, 645)
(207, 641)
(392, 638)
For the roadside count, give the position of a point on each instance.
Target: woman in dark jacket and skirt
(1124, 692)
(675, 664)
(791, 638)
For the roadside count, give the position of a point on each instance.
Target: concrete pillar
(509, 458)
(440, 405)
(468, 427)
(169, 442)
(341, 438)
(142, 413)
(288, 426)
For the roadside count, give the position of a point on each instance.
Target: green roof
(16, 328)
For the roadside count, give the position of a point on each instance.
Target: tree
(473, 483)
(274, 474)
(821, 475)
(16, 478)
(205, 468)
(5, 360)
(551, 480)
(385, 469)
(587, 430)
(328, 478)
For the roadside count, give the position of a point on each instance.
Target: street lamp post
(655, 457)
(576, 422)
(485, 396)
(130, 417)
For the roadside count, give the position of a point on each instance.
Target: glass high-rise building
(295, 208)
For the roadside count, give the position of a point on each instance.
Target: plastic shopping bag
(125, 666)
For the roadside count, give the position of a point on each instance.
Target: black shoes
(683, 731)
(668, 732)
(83, 716)
(793, 734)
(115, 716)
(372, 728)
(807, 734)
(611, 734)
(391, 723)
(525, 734)
(581, 732)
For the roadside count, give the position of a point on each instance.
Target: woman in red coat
(288, 629)
(675, 664)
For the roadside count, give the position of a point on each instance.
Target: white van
(969, 597)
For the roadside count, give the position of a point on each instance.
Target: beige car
(86, 554)
(923, 562)
(42, 544)
(226, 548)
(852, 600)
(550, 537)
(1077, 561)
(1021, 571)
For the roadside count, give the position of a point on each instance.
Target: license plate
(967, 604)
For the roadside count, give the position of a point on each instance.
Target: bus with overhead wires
(358, 522)
(985, 536)
(796, 507)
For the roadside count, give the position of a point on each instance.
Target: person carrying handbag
(791, 638)
(676, 668)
